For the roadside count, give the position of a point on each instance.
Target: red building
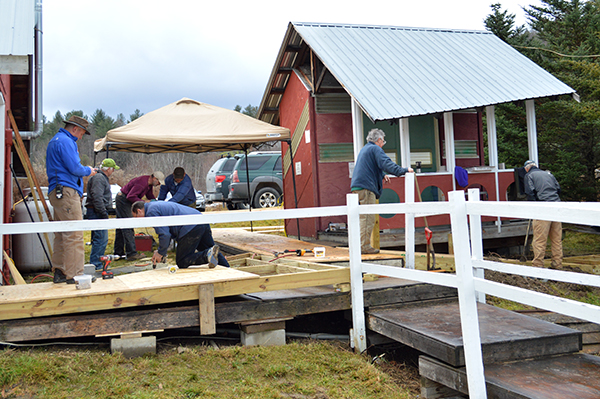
(20, 88)
(427, 89)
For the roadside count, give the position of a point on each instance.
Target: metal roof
(396, 72)
(17, 21)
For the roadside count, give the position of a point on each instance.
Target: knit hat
(110, 163)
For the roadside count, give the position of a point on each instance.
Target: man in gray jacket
(541, 185)
(99, 200)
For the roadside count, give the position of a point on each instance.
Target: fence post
(409, 221)
(476, 241)
(469, 319)
(358, 333)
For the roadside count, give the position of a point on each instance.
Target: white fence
(468, 255)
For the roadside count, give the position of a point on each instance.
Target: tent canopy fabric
(190, 126)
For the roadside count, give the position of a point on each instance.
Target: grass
(297, 370)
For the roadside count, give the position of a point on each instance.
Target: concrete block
(264, 338)
(133, 347)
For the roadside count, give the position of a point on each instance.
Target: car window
(254, 162)
(229, 164)
(277, 166)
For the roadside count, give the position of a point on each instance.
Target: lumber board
(206, 309)
(14, 272)
(150, 287)
(237, 309)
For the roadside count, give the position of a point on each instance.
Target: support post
(409, 221)
(2, 175)
(404, 143)
(449, 145)
(531, 131)
(358, 333)
(476, 241)
(206, 309)
(357, 129)
(469, 319)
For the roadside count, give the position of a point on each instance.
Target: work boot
(213, 256)
(369, 251)
(59, 276)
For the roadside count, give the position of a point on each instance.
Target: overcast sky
(122, 55)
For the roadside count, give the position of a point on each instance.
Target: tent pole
(289, 142)
(248, 185)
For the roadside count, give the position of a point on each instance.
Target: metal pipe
(37, 76)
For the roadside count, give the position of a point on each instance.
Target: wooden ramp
(240, 241)
(524, 357)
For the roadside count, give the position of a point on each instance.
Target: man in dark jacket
(541, 185)
(181, 188)
(99, 200)
(369, 171)
(195, 244)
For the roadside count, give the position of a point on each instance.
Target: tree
(136, 114)
(564, 41)
(250, 110)
(502, 24)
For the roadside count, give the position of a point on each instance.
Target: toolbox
(143, 242)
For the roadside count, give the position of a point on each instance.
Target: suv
(266, 184)
(218, 178)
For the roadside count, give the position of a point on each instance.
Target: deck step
(554, 377)
(433, 327)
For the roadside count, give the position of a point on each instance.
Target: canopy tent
(190, 126)
(193, 127)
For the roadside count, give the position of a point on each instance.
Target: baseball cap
(110, 163)
(159, 175)
(528, 162)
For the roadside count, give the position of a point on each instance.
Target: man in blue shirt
(180, 186)
(65, 189)
(370, 169)
(195, 244)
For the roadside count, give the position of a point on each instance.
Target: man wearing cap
(99, 201)
(136, 190)
(65, 189)
(180, 186)
(541, 185)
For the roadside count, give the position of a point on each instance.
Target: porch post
(404, 143)
(492, 136)
(493, 151)
(357, 129)
(449, 145)
(531, 131)
(409, 221)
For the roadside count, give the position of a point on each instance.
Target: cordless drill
(107, 259)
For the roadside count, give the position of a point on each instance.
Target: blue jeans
(99, 241)
(192, 248)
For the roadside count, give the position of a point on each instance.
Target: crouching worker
(195, 244)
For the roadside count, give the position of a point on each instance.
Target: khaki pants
(367, 222)
(68, 253)
(542, 229)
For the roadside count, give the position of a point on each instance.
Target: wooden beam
(14, 272)
(206, 309)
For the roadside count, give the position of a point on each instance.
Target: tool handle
(428, 235)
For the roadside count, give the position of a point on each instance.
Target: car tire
(266, 197)
(231, 206)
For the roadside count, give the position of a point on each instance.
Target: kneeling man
(195, 244)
